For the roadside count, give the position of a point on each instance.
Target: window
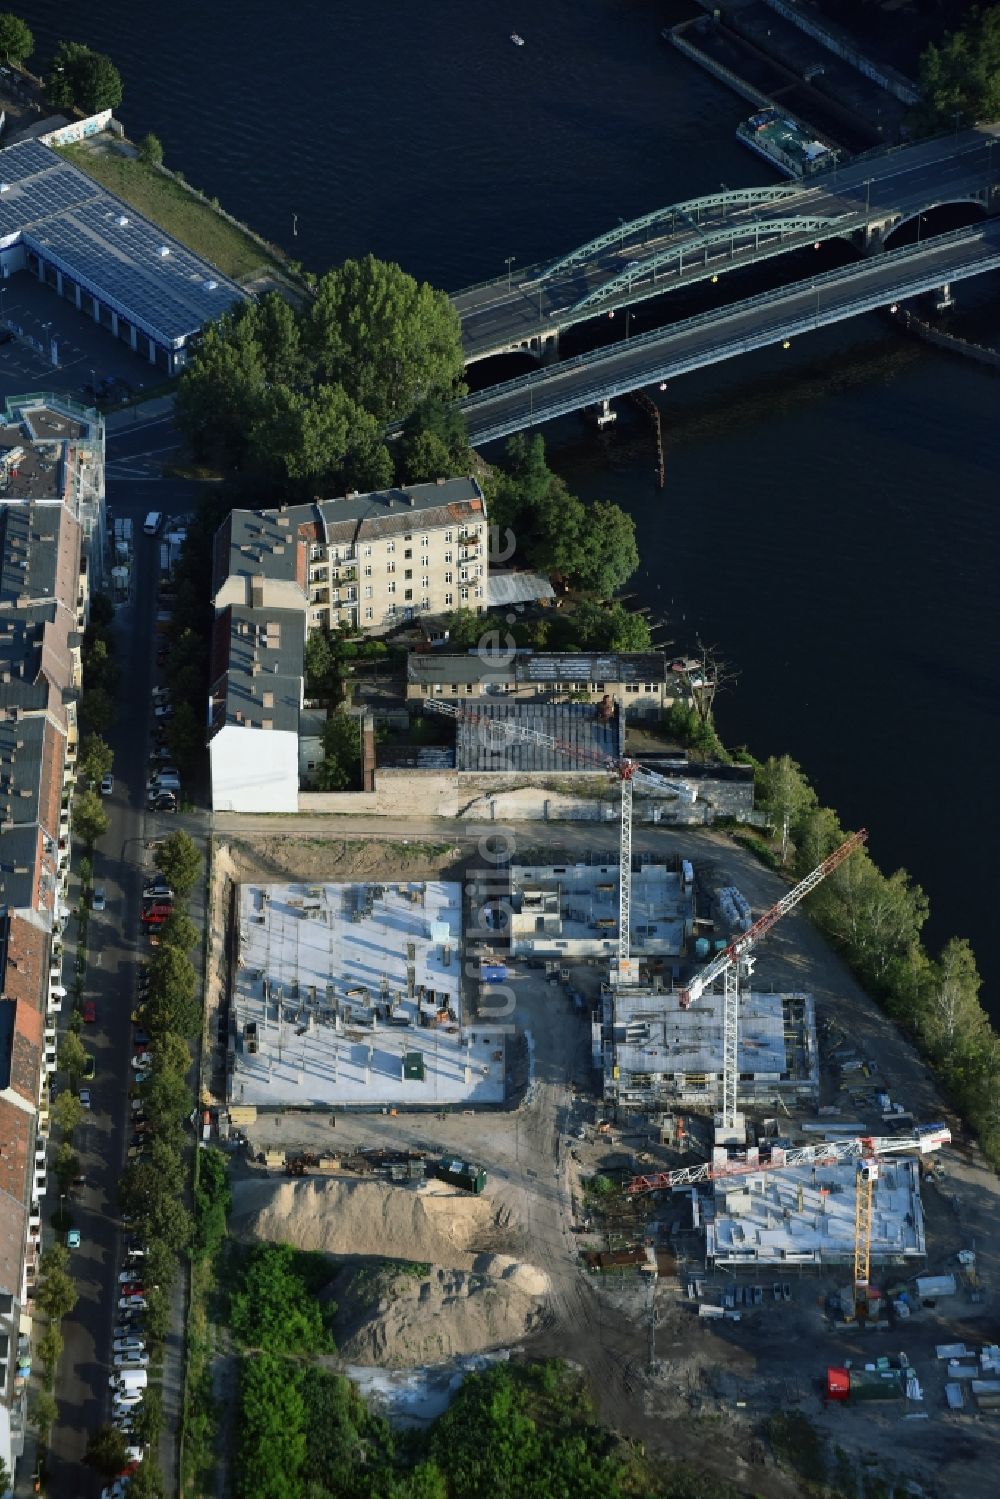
(366, 551)
(598, 686)
(391, 610)
(390, 547)
(390, 589)
(408, 595)
(407, 553)
(368, 590)
(369, 615)
(425, 581)
(390, 567)
(368, 569)
(408, 536)
(449, 536)
(454, 688)
(463, 594)
(407, 572)
(317, 575)
(317, 616)
(425, 603)
(334, 554)
(479, 593)
(425, 540)
(315, 553)
(449, 577)
(447, 557)
(449, 599)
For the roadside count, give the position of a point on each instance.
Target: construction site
(704, 1166)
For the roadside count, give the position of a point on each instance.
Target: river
(830, 517)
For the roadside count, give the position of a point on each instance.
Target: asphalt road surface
(499, 314)
(115, 948)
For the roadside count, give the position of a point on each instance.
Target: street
(115, 948)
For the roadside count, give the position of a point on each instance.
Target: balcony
(320, 596)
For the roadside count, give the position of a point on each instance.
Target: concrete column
(41, 269)
(79, 297)
(96, 308)
(944, 298)
(59, 282)
(152, 352)
(133, 337)
(114, 324)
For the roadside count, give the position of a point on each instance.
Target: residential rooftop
(581, 740)
(541, 668)
(257, 661)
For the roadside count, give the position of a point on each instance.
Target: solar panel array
(107, 246)
(587, 739)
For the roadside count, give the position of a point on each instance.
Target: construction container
(877, 1384)
(461, 1174)
(413, 1066)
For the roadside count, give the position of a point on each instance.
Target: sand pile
(441, 1315)
(432, 1223)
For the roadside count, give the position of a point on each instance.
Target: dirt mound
(408, 1319)
(431, 1223)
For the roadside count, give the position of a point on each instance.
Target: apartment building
(365, 563)
(52, 552)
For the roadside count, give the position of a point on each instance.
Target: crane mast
(624, 970)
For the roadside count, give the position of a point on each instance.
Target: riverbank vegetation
(960, 78)
(875, 920)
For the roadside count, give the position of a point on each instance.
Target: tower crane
(867, 1150)
(625, 969)
(728, 964)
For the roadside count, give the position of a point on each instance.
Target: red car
(132, 1288)
(89, 1011)
(156, 914)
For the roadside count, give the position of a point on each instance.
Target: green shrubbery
(876, 921)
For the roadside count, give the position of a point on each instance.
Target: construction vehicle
(625, 969)
(735, 963)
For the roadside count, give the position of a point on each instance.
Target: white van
(152, 522)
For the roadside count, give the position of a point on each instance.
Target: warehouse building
(103, 256)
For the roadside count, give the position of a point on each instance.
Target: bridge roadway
(879, 281)
(693, 241)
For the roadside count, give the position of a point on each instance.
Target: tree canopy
(300, 398)
(81, 78)
(17, 44)
(179, 861)
(961, 77)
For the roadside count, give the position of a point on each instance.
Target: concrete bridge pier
(549, 348)
(943, 298)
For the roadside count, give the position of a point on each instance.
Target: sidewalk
(143, 411)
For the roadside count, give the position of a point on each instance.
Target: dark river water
(830, 516)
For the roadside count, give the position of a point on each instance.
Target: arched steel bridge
(767, 320)
(705, 237)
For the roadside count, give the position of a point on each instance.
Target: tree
(149, 1417)
(43, 1412)
(783, 789)
(961, 78)
(72, 1056)
(67, 1113)
(151, 150)
(90, 821)
(6, 1481)
(97, 709)
(180, 862)
(67, 1166)
(950, 1011)
(390, 341)
(83, 79)
(180, 932)
(608, 555)
(878, 917)
(272, 1438)
(273, 1308)
(50, 1350)
(434, 444)
(56, 1294)
(185, 733)
(106, 1451)
(96, 758)
(17, 44)
(147, 1481)
(167, 1098)
(341, 767)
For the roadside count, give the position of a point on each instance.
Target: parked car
(163, 712)
(156, 913)
(164, 801)
(135, 1359)
(137, 1303)
(126, 1277)
(89, 1011)
(129, 1286)
(141, 1038)
(157, 887)
(85, 1097)
(143, 1062)
(100, 900)
(136, 1253)
(73, 1239)
(89, 1068)
(107, 785)
(129, 1345)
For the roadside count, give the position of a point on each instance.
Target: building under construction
(571, 911)
(351, 996)
(805, 1215)
(655, 1054)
